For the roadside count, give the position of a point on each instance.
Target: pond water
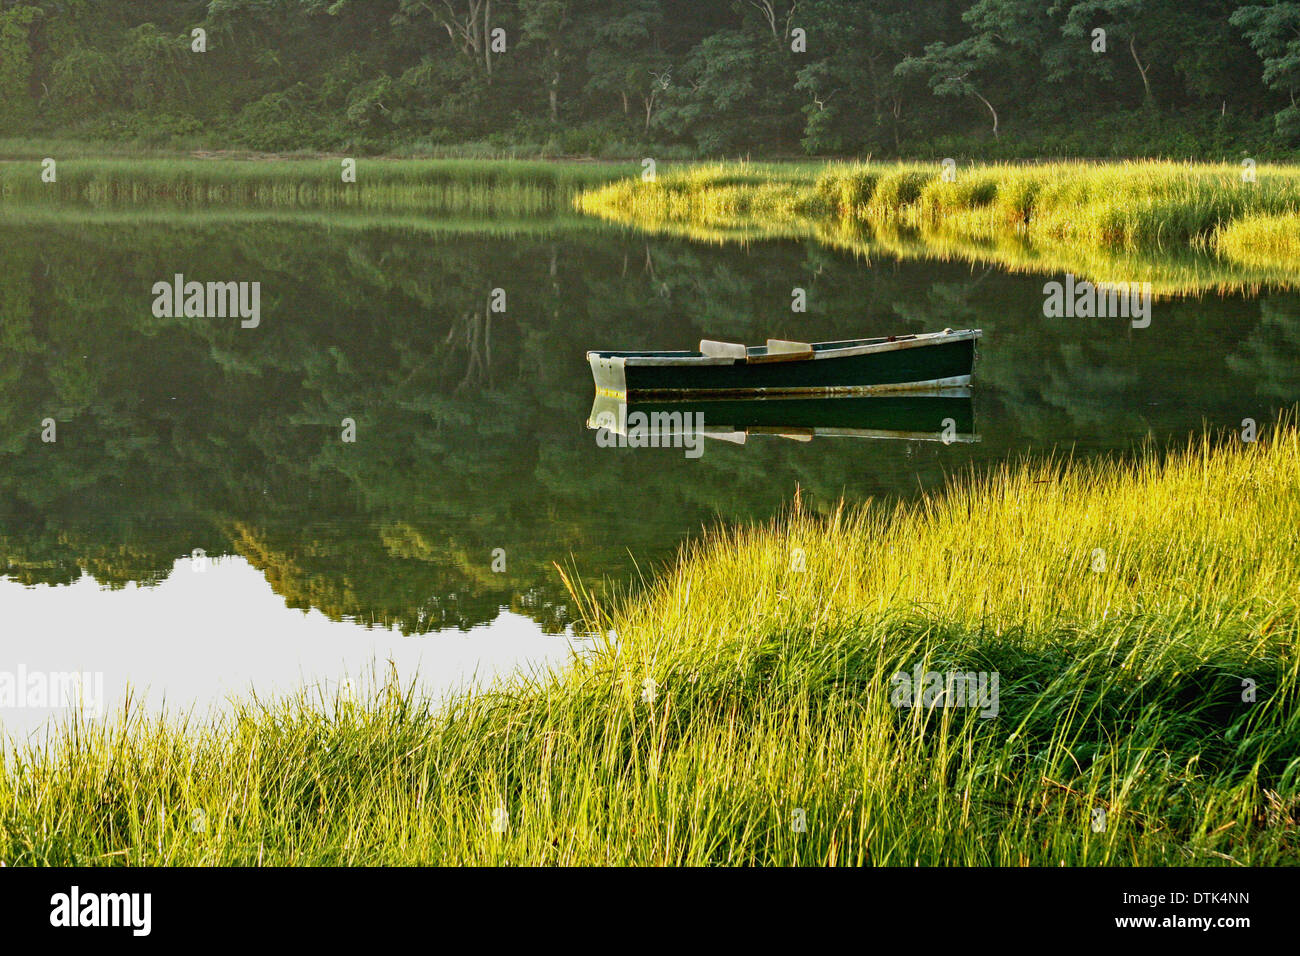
(180, 512)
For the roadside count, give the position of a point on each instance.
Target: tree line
(990, 78)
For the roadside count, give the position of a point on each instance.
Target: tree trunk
(875, 90)
(554, 93)
(1147, 99)
(991, 110)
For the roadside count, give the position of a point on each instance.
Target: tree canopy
(620, 77)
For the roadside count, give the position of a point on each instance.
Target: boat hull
(945, 415)
(927, 365)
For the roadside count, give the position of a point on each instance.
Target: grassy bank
(1260, 239)
(1184, 228)
(461, 186)
(1141, 617)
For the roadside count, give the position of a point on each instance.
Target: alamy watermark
(208, 300)
(1081, 299)
(930, 689)
(53, 690)
(639, 429)
(74, 908)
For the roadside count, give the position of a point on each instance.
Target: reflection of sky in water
(199, 638)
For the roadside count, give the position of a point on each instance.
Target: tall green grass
(1260, 238)
(1188, 226)
(1142, 617)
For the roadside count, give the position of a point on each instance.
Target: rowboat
(943, 415)
(893, 363)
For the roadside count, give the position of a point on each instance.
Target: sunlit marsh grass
(1260, 239)
(1142, 617)
(1183, 228)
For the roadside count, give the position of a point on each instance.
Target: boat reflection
(943, 415)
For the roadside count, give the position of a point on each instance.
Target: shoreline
(745, 709)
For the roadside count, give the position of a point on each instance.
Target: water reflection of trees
(184, 433)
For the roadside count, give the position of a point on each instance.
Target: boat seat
(731, 350)
(780, 350)
(784, 347)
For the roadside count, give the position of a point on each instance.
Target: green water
(473, 471)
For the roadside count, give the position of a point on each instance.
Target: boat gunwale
(792, 391)
(937, 388)
(844, 348)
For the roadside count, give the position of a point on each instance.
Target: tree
(16, 26)
(957, 69)
(1273, 31)
(467, 22)
(548, 24)
(626, 60)
(1129, 20)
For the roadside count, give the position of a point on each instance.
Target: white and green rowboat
(894, 363)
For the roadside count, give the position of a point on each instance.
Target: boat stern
(609, 372)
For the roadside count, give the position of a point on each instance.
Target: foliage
(994, 78)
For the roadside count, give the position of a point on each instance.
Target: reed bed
(1258, 239)
(1185, 228)
(1141, 616)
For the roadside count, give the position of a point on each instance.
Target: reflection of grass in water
(560, 220)
(1184, 229)
(1171, 272)
(468, 186)
(1120, 688)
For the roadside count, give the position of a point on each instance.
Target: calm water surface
(199, 528)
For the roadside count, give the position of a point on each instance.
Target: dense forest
(982, 78)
